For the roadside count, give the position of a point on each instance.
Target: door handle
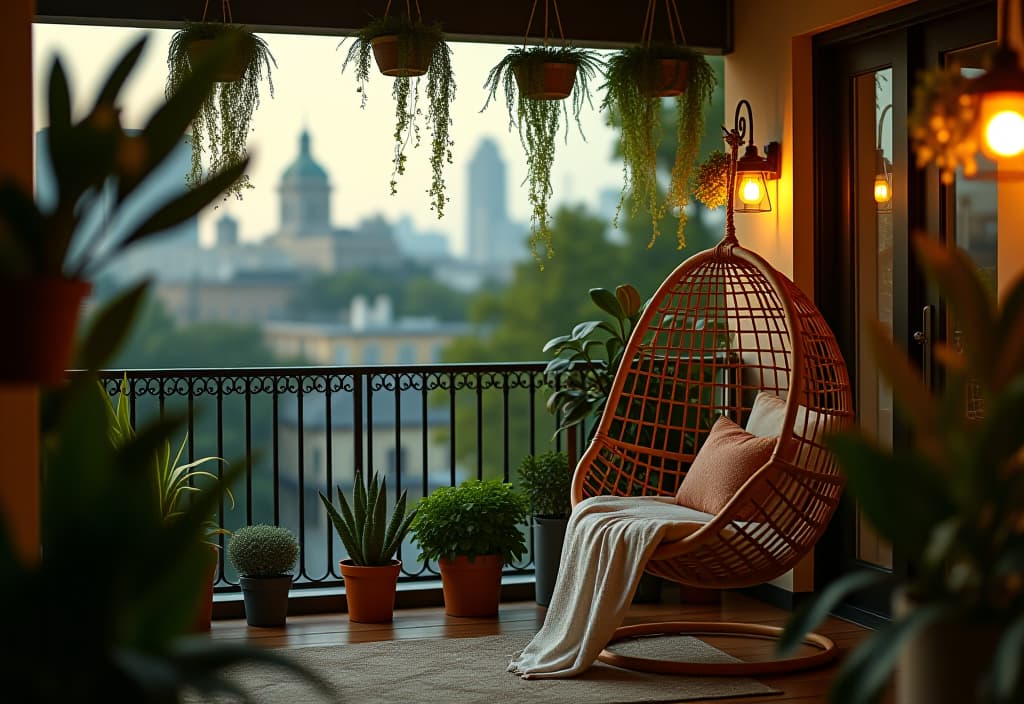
(923, 337)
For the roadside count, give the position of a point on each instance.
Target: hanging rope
(225, 11)
(408, 10)
(675, 23)
(547, 11)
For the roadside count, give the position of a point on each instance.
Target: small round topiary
(263, 551)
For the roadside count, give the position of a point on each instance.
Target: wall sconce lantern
(753, 171)
(999, 99)
(883, 170)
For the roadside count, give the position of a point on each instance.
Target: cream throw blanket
(607, 543)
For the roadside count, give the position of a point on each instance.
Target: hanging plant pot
(401, 58)
(231, 72)
(42, 315)
(546, 80)
(370, 591)
(665, 78)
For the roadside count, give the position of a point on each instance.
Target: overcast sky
(353, 145)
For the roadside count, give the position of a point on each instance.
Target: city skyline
(354, 145)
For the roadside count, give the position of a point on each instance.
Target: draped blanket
(607, 544)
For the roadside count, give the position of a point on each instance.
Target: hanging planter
(532, 80)
(637, 80)
(221, 129)
(406, 48)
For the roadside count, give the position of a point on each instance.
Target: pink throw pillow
(727, 459)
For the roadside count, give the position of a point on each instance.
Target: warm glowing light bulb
(1004, 133)
(750, 189)
(883, 192)
(1002, 125)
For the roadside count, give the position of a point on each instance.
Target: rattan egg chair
(722, 328)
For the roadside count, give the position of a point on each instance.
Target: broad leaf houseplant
(952, 502)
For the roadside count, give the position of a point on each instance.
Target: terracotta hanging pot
(545, 81)
(401, 59)
(234, 66)
(42, 315)
(204, 611)
(665, 78)
(370, 591)
(471, 588)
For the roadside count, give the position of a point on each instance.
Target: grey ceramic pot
(548, 536)
(266, 599)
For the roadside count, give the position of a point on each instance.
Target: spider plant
(539, 121)
(630, 103)
(220, 130)
(415, 38)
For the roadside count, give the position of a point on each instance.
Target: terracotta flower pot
(394, 59)
(471, 588)
(41, 315)
(230, 72)
(665, 78)
(370, 591)
(545, 81)
(204, 610)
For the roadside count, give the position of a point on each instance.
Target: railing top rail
(344, 370)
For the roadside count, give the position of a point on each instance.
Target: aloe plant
(370, 538)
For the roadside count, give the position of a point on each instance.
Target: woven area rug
(472, 671)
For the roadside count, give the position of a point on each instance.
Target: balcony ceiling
(600, 23)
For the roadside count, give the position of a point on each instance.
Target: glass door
(872, 201)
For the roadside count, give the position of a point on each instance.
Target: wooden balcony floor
(334, 629)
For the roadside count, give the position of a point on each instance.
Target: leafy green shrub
(547, 481)
(475, 518)
(263, 551)
(415, 37)
(370, 538)
(538, 121)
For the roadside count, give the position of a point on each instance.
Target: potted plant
(951, 502)
(406, 48)
(221, 129)
(39, 268)
(636, 80)
(371, 539)
(264, 557)
(174, 483)
(472, 530)
(531, 80)
(547, 481)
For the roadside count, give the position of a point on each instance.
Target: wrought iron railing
(301, 431)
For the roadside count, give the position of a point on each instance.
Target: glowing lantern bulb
(1004, 134)
(750, 189)
(883, 193)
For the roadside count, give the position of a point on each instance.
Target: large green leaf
(902, 497)
(629, 299)
(115, 81)
(607, 301)
(1010, 336)
(1005, 681)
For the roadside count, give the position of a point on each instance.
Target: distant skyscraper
(492, 238)
(227, 231)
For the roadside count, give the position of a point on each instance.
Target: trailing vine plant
(221, 129)
(539, 120)
(421, 48)
(633, 99)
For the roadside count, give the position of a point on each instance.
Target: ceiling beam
(598, 23)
